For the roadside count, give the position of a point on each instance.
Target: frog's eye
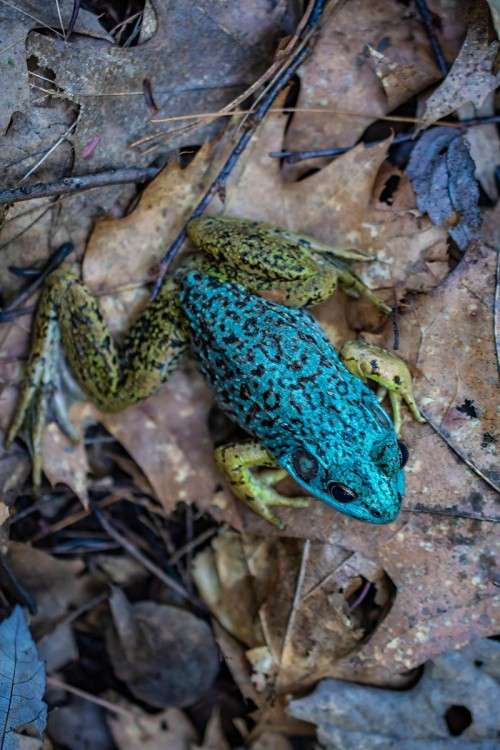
(340, 492)
(405, 453)
(304, 464)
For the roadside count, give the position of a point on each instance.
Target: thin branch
(444, 436)
(54, 261)
(496, 310)
(142, 559)
(33, 18)
(292, 157)
(78, 184)
(60, 685)
(450, 513)
(426, 17)
(50, 150)
(278, 85)
(73, 19)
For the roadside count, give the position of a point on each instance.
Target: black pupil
(405, 453)
(340, 492)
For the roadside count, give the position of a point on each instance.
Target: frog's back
(272, 368)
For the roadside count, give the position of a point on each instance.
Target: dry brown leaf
(341, 206)
(471, 78)
(168, 437)
(290, 604)
(123, 252)
(357, 86)
(213, 738)
(136, 729)
(449, 337)
(54, 584)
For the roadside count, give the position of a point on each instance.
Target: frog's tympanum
(271, 367)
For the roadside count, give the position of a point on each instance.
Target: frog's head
(369, 487)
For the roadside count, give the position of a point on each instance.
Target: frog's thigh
(87, 343)
(236, 461)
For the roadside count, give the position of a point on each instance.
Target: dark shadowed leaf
(441, 171)
(457, 695)
(22, 683)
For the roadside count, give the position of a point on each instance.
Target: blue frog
(240, 310)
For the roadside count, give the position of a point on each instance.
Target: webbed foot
(390, 372)
(237, 460)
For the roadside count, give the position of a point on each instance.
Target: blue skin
(274, 372)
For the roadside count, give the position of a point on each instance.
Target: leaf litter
(330, 599)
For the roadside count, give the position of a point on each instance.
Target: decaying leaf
(16, 20)
(471, 78)
(341, 205)
(484, 145)
(291, 605)
(138, 730)
(54, 584)
(195, 66)
(166, 655)
(22, 683)
(353, 84)
(168, 436)
(458, 695)
(79, 725)
(442, 175)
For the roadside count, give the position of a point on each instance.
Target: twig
(227, 168)
(292, 157)
(191, 545)
(450, 513)
(72, 20)
(60, 685)
(444, 436)
(496, 310)
(10, 311)
(279, 84)
(142, 559)
(426, 17)
(51, 149)
(77, 184)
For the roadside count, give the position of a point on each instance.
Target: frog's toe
(263, 510)
(289, 502)
(412, 406)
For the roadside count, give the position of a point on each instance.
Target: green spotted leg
(237, 460)
(390, 372)
(112, 377)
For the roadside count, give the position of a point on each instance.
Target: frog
(241, 307)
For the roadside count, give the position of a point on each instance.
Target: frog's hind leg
(42, 374)
(237, 460)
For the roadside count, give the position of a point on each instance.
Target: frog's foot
(354, 287)
(237, 460)
(390, 372)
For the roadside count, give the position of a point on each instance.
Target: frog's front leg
(113, 377)
(390, 372)
(237, 460)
